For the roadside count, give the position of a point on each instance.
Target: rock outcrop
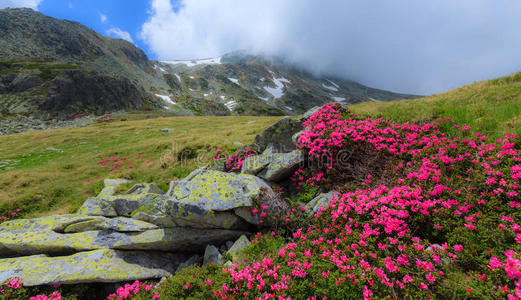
(103, 265)
(144, 233)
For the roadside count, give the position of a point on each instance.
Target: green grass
(44, 182)
(491, 107)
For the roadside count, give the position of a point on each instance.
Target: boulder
(254, 164)
(238, 246)
(272, 166)
(103, 265)
(170, 213)
(29, 242)
(218, 191)
(282, 166)
(279, 134)
(212, 256)
(109, 205)
(322, 200)
(191, 261)
(205, 199)
(97, 207)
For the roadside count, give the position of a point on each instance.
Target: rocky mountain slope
(249, 84)
(52, 68)
(57, 69)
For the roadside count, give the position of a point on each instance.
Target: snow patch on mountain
(339, 99)
(166, 98)
(158, 67)
(331, 86)
(234, 80)
(230, 104)
(277, 92)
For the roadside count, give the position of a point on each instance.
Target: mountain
(56, 69)
(249, 84)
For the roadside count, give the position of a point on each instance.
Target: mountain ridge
(55, 69)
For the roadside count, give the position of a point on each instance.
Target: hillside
(491, 107)
(54, 69)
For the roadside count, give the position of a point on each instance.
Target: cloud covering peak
(403, 45)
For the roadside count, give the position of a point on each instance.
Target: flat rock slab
(56, 223)
(104, 265)
(70, 223)
(29, 242)
(120, 224)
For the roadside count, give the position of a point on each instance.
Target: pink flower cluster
(10, 215)
(128, 291)
(52, 296)
(512, 268)
(14, 284)
(117, 164)
(234, 161)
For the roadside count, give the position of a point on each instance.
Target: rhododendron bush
(419, 214)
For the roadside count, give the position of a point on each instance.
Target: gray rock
(166, 130)
(280, 135)
(218, 191)
(103, 265)
(29, 242)
(308, 113)
(282, 165)
(120, 224)
(56, 223)
(191, 261)
(97, 207)
(109, 205)
(322, 200)
(255, 164)
(238, 246)
(212, 256)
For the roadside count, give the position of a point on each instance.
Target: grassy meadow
(54, 171)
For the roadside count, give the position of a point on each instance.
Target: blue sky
(409, 46)
(102, 15)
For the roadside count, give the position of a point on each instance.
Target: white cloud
(20, 3)
(402, 45)
(118, 33)
(103, 18)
